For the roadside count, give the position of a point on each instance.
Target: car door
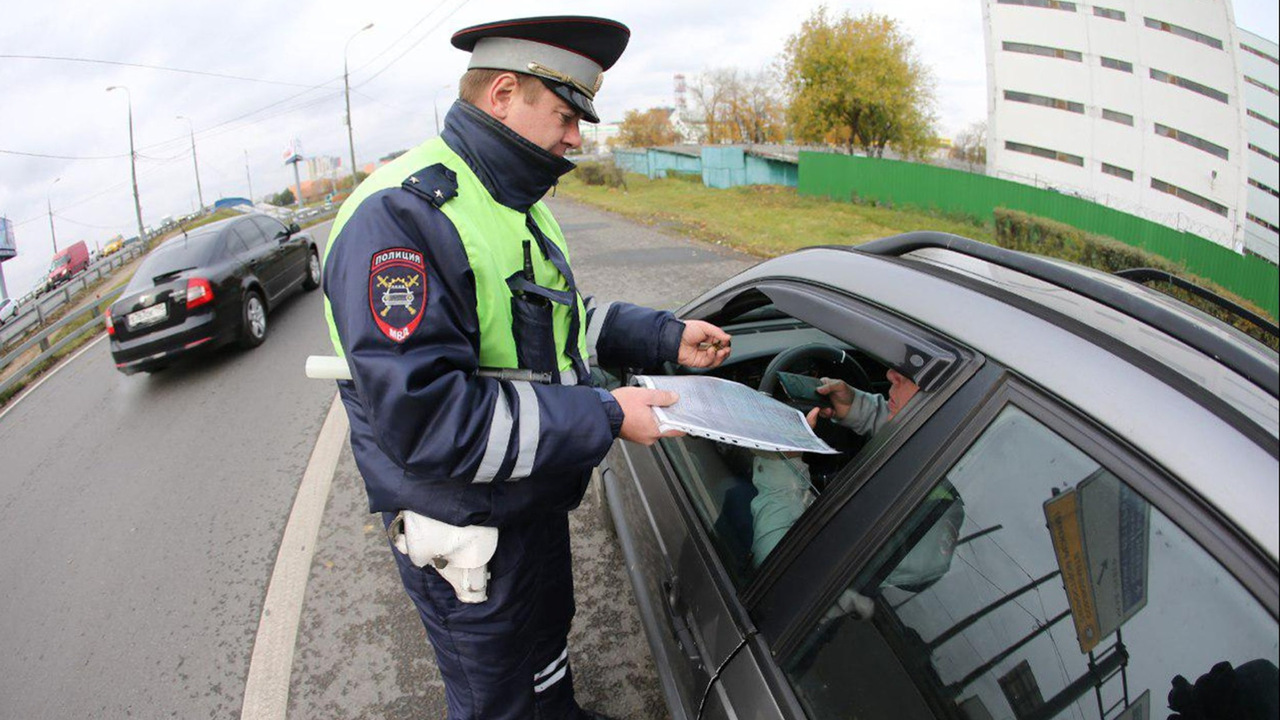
(264, 257)
(690, 519)
(292, 247)
(1022, 563)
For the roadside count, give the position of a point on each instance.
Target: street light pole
(199, 192)
(346, 88)
(248, 176)
(434, 97)
(49, 200)
(133, 163)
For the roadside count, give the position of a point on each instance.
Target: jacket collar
(516, 172)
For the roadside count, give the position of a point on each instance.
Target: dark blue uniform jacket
(420, 416)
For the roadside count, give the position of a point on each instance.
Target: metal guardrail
(42, 339)
(34, 312)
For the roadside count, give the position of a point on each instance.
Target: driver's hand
(840, 395)
(812, 419)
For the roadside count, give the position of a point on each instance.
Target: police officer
(448, 290)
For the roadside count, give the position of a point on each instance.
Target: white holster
(460, 554)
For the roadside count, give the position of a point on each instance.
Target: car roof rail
(1146, 275)
(1232, 355)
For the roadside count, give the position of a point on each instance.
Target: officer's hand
(638, 423)
(703, 345)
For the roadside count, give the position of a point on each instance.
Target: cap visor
(580, 102)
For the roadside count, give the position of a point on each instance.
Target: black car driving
(207, 288)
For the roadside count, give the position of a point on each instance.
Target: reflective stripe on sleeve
(595, 323)
(529, 430)
(568, 377)
(499, 437)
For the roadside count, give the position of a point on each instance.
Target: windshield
(59, 261)
(176, 255)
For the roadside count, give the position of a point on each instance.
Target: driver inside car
(783, 488)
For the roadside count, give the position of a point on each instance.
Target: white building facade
(1133, 104)
(1260, 73)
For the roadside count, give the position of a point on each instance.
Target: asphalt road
(140, 518)
(139, 522)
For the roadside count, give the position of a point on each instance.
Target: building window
(1186, 138)
(1047, 4)
(1114, 64)
(1193, 86)
(1118, 117)
(1189, 196)
(1187, 33)
(1269, 190)
(1259, 116)
(1044, 153)
(1043, 50)
(1259, 83)
(1117, 171)
(1056, 103)
(1108, 13)
(1262, 222)
(1259, 53)
(1264, 153)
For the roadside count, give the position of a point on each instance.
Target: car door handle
(676, 614)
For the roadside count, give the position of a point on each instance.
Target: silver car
(1074, 515)
(8, 310)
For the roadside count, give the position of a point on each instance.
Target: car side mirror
(294, 228)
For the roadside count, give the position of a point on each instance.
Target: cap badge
(552, 74)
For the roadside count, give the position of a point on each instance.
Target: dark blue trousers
(505, 658)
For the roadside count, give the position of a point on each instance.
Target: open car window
(749, 501)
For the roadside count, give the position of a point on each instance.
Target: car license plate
(147, 316)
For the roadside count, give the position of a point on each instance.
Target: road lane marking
(46, 375)
(266, 690)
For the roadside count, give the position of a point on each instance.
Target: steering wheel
(788, 358)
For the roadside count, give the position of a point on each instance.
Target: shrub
(1041, 236)
(598, 173)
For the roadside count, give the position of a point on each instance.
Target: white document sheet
(730, 412)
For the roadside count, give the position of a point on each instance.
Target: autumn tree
(739, 106)
(648, 128)
(857, 81)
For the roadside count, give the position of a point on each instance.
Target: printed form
(730, 412)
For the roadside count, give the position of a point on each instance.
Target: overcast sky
(287, 61)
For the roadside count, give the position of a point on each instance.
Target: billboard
(8, 248)
(293, 151)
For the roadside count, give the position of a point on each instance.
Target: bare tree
(971, 145)
(738, 106)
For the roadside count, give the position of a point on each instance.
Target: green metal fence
(844, 177)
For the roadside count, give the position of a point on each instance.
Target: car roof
(1185, 413)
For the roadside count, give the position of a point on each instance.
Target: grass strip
(762, 220)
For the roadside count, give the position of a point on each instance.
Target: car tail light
(111, 329)
(199, 292)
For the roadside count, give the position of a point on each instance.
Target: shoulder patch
(397, 291)
(437, 184)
